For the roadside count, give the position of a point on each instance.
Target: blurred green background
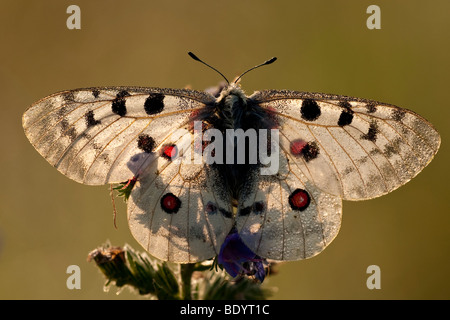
(48, 222)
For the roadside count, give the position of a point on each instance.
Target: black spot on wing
(389, 150)
(371, 107)
(90, 120)
(118, 104)
(212, 209)
(146, 143)
(345, 104)
(225, 213)
(154, 103)
(310, 151)
(393, 147)
(68, 130)
(398, 114)
(258, 207)
(68, 97)
(310, 110)
(95, 93)
(346, 116)
(245, 211)
(371, 134)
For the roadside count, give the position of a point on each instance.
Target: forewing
(94, 135)
(354, 148)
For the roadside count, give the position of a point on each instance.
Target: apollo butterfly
(196, 161)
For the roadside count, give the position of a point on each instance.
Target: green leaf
(146, 275)
(124, 188)
(242, 289)
(166, 283)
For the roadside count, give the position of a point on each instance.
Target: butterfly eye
(299, 200)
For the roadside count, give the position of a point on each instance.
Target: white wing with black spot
(93, 135)
(286, 217)
(97, 136)
(331, 148)
(176, 211)
(355, 148)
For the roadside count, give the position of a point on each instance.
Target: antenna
(271, 60)
(193, 56)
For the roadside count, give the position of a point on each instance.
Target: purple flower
(238, 259)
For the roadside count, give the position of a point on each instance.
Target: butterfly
(325, 149)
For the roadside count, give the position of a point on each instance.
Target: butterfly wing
(91, 135)
(331, 148)
(286, 217)
(106, 135)
(366, 148)
(176, 212)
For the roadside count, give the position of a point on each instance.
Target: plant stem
(186, 271)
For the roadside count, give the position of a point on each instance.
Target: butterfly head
(231, 94)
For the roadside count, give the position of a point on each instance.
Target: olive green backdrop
(48, 222)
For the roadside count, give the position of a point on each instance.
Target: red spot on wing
(299, 200)
(170, 203)
(297, 147)
(169, 151)
(193, 117)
